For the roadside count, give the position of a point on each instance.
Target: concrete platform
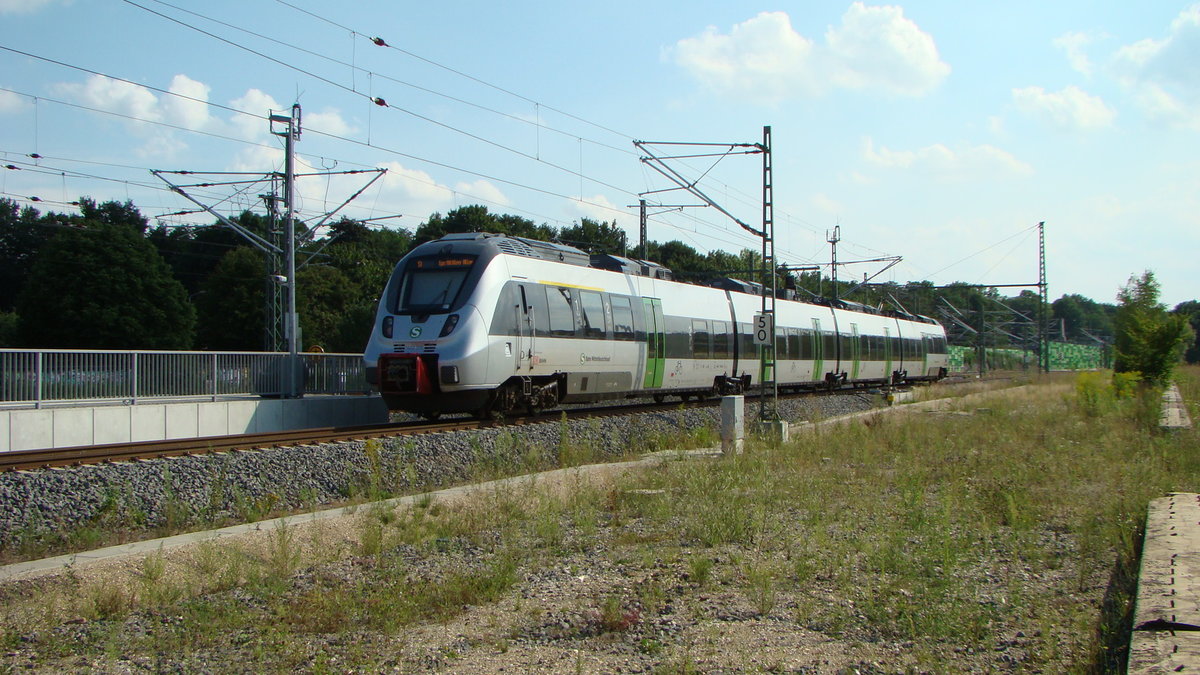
(1167, 616)
(62, 427)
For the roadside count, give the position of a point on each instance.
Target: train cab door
(656, 342)
(526, 330)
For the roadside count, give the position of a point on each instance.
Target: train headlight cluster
(388, 323)
(451, 322)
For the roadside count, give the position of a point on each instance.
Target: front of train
(428, 351)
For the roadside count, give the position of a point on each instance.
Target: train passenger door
(926, 342)
(887, 353)
(818, 349)
(655, 343)
(855, 351)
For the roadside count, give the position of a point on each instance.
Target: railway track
(26, 460)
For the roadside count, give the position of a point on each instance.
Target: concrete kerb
(547, 479)
(1174, 414)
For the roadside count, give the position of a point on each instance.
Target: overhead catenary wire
(205, 102)
(375, 74)
(377, 100)
(518, 184)
(381, 42)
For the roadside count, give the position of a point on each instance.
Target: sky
(941, 132)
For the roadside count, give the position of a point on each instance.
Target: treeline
(105, 279)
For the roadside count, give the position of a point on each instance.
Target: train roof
(555, 252)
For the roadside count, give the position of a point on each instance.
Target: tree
(595, 237)
(113, 213)
(1191, 310)
(1082, 317)
(103, 286)
(1149, 340)
(322, 300)
(22, 234)
(476, 218)
(231, 304)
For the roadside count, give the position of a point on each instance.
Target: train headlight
(451, 322)
(388, 322)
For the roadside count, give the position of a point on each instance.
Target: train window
(793, 338)
(746, 347)
(431, 284)
(507, 317)
(562, 314)
(829, 346)
(679, 337)
(781, 346)
(720, 340)
(701, 348)
(622, 318)
(535, 298)
(594, 325)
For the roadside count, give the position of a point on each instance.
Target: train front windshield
(431, 284)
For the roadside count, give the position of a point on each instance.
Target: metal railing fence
(35, 377)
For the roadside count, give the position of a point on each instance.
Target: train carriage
(489, 323)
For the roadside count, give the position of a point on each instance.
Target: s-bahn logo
(414, 332)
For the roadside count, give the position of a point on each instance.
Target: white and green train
(488, 323)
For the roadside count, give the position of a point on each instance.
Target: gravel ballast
(219, 487)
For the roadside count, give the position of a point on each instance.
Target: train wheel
(432, 416)
(659, 398)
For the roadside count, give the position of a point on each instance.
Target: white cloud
(22, 6)
(255, 102)
(411, 192)
(944, 163)
(483, 190)
(257, 158)
(1073, 44)
(1160, 105)
(827, 205)
(115, 96)
(597, 207)
(1069, 109)
(1164, 74)
(764, 58)
(327, 121)
(191, 112)
(877, 48)
(10, 102)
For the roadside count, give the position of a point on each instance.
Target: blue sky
(938, 131)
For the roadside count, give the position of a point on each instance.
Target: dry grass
(983, 537)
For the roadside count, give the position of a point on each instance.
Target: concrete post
(733, 424)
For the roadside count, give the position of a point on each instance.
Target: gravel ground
(239, 486)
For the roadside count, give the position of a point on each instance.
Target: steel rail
(26, 460)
